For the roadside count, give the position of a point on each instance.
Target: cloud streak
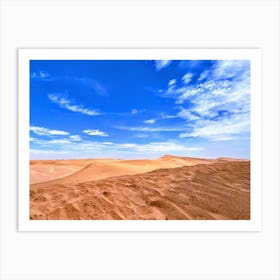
(40, 75)
(187, 78)
(149, 129)
(160, 64)
(223, 130)
(75, 138)
(95, 132)
(88, 148)
(71, 106)
(151, 121)
(94, 85)
(47, 132)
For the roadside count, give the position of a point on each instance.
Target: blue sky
(139, 109)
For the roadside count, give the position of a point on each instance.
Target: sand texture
(168, 188)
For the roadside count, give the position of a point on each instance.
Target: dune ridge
(95, 169)
(168, 188)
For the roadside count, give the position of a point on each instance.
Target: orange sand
(170, 187)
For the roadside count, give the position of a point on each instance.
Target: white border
(254, 55)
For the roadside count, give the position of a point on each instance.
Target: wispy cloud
(59, 141)
(94, 85)
(172, 82)
(40, 75)
(228, 69)
(161, 147)
(160, 117)
(56, 138)
(151, 121)
(149, 129)
(46, 131)
(160, 64)
(71, 106)
(134, 111)
(166, 116)
(95, 132)
(187, 115)
(222, 130)
(203, 75)
(75, 137)
(187, 78)
(85, 148)
(191, 65)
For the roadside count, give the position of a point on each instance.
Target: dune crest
(96, 169)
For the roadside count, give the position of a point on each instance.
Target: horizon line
(144, 158)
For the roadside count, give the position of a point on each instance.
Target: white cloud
(187, 78)
(71, 139)
(75, 137)
(85, 149)
(150, 129)
(69, 105)
(218, 105)
(162, 147)
(95, 132)
(40, 75)
(227, 69)
(134, 111)
(187, 115)
(160, 64)
(204, 75)
(46, 131)
(59, 141)
(186, 94)
(172, 82)
(151, 121)
(164, 116)
(210, 97)
(221, 130)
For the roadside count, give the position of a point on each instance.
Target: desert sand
(168, 188)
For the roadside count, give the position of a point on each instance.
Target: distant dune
(94, 169)
(168, 188)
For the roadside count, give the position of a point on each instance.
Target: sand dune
(84, 170)
(46, 170)
(167, 188)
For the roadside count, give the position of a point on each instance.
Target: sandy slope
(95, 169)
(45, 170)
(201, 189)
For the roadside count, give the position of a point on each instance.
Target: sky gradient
(139, 109)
